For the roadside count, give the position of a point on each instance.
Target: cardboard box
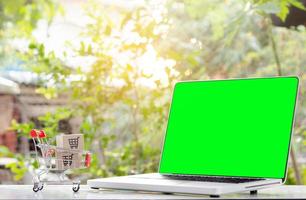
(71, 141)
(67, 160)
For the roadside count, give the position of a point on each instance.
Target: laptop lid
(236, 128)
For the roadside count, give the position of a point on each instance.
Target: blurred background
(106, 68)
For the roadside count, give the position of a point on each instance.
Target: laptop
(223, 136)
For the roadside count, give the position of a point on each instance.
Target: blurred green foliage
(18, 19)
(123, 97)
(18, 168)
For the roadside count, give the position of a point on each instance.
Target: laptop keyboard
(214, 179)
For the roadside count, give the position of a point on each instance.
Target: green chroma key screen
(239, 127)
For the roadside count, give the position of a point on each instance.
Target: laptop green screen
(239, 127)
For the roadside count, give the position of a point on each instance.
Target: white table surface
(4, 161)
(65, 192)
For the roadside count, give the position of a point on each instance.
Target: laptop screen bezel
(238, 79)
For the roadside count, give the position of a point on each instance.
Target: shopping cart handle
(42, 134)
(37, 133)
(33, 133)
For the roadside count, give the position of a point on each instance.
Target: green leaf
(108, 30)
(297, 3)
(32, 46)
(5, 152)
(126, 18)
(284, 10)
(49, 92)
(41, 50)
(269, 7)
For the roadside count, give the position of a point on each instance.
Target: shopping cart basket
(56, 160)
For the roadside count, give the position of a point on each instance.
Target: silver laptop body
(189, 184)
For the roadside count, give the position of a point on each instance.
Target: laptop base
(158, 183)
(252, 192)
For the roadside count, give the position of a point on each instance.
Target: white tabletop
(65, 192)
(4, 161)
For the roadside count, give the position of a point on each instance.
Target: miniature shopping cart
(57, 160)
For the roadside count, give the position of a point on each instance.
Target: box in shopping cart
(66, 159)
(71, 141)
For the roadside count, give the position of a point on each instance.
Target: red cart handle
(37, 133)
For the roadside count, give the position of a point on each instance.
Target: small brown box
(67, 160)
(71, 141)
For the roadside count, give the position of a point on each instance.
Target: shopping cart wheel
(35, 187)
(41, 186)
(76, 187)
